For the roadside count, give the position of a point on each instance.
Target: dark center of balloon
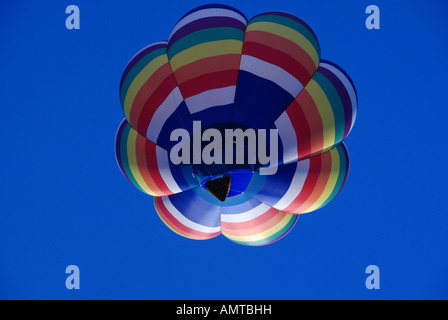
(228, 185)
(226, 180)
(219, 187)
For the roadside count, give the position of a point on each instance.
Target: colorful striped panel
(189, 215)
(150, 97)
(204, 51)
(255, 224)
(303, 186)
(280, 55)
(321, 116)
(147, 166)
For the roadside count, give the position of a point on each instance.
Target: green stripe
(124, 156)
(336, 105)
(275, 236)
(300, 28)
(134, 72)
(342, 170)
(203, 36)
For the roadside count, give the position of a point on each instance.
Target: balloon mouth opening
(229, 184)
(219, 186)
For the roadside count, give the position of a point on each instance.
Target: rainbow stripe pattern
(224, 70)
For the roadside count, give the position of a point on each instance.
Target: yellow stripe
(205, 50)
(140, 80)
(132, 158)
(289, 34)
(325, 110)
(264, 234)
(331, 183)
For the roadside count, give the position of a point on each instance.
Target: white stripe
(246, 216)
(288, 138)
(165, 171)
(211, 98)
(348, 86)
(271, 72)
(163, 112)
(205, 13)
(296, 186)
(185, 221)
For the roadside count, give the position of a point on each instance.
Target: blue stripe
(240, 181)
(196, 209)
(214, 115)
(180, 119)
(241, 208)
(183, 175)
(258, 102)
(275, 186)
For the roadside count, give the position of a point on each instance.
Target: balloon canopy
(227, 72)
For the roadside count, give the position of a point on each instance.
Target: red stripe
(312, 116)
(301, 128)
(154, 102)
(160, 208)
(179, 227)
(207, 65)
(148, 89)
(308, 187)
(272, 221)
(209, 81)
(143, 166)
(283, 44)
(151, 156)
(321, 183)
(271, 213)
(278, 58)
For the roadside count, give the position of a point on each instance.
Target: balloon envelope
(225, 71)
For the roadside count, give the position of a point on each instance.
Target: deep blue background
(64, 200)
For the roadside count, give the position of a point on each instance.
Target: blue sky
(65, 201)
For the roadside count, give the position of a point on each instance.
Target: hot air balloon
(226, 72)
